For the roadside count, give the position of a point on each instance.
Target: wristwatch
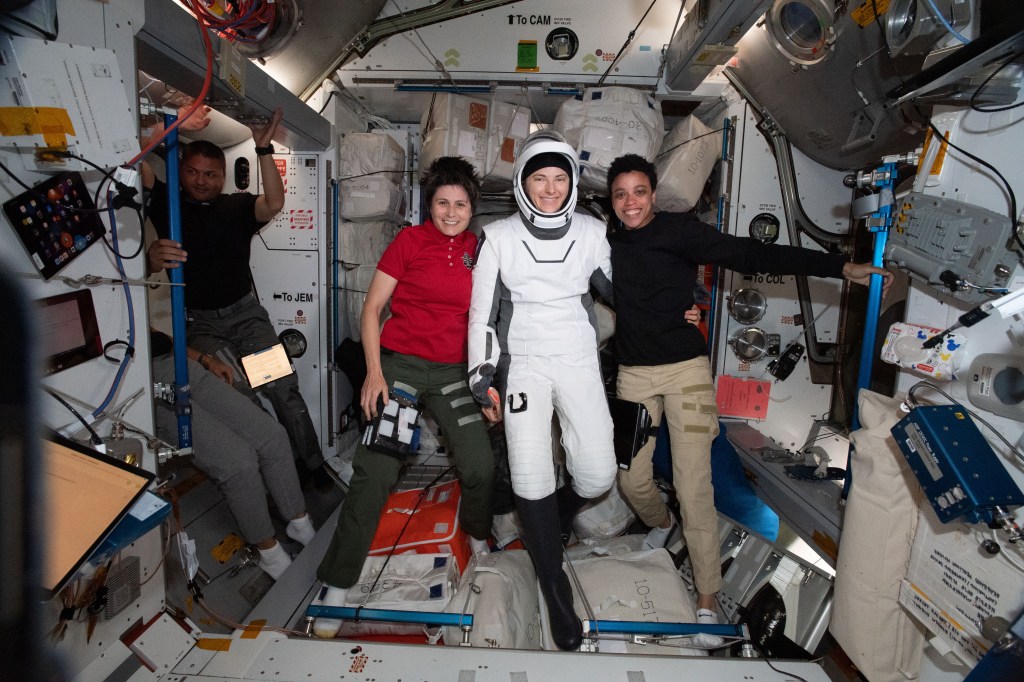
(263, 151)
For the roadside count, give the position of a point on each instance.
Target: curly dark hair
(450, 170)
(630, 163)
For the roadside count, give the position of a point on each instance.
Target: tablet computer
(56, 221)
(266, 365)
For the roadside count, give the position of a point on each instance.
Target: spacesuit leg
(528, 412)
(586, 423)
(542, 541)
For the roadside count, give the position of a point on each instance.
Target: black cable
(629, 39)
(391, 552)
(1009, 189)
(672, 149)
(117, 342)
(138, 214)
(788, 675)
(94, 437)
(327, 101)
(363, 175)
(123, 191)
(45, 199)
(973, 100)
(764, 655)
(109, 174)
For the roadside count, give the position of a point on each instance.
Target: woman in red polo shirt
(426, 273)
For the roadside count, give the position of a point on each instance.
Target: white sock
(301, 529)
(479, 546)
(703, 640)
(658, 538)
(327, 628)
(275, 561)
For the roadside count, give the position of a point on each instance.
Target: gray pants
(238, 445)
(244, 328)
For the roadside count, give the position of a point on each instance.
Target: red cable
(195, 105)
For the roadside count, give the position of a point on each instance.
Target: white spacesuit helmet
(545, 142)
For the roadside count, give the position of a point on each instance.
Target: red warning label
(301, 218)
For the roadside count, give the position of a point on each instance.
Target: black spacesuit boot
(541, 537)
(569, 502)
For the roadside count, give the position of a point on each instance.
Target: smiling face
(202, 178)
(451, 210)
(547, 188)
(633, 199)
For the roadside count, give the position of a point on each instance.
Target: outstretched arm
(270, 203)
(860, 273)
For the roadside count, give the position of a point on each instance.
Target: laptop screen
(85, 495)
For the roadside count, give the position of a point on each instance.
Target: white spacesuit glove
(479, 381)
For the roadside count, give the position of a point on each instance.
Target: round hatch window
(802, 30)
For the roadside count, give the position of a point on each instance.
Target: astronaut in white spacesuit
(532, 313)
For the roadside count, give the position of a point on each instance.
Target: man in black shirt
(224, 319)
(663, 359)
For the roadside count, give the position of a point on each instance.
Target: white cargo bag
(879, 529)
(640, 586)
(371, 198)
(487, 133)
(505, 605)
(604, 517)
(605, 123)
(372, 178)
(364, 243)
(590, 548)
(685, 162)
(508, 126)
(357, 283)
(410, 582)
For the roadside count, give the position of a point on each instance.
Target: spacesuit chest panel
(541, 270)
(547, 284)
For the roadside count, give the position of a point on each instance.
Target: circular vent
(750, 344)
(747, 306)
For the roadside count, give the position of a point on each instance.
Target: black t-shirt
(654, 270)
(217, 236)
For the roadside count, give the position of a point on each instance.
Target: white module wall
(796, 401)
(288, 264)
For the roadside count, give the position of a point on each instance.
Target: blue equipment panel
(955, 465)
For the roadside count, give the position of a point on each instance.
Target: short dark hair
(205, 149)
(630, 163)
(450, 170)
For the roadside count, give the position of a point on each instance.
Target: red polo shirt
(430, 304)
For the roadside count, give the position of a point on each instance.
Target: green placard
(526, 56)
